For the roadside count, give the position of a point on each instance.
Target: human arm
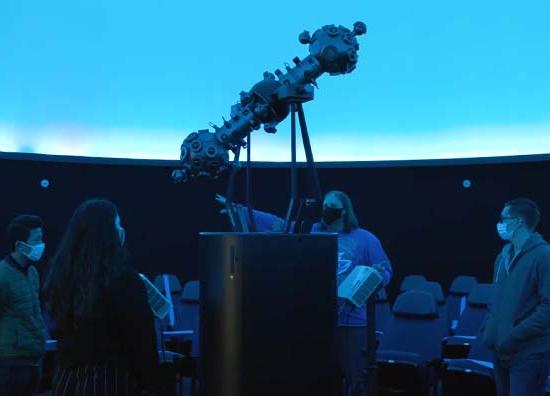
(538, 321)
(265, 222)
(377, 258)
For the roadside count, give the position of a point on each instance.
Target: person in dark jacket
(105, 328)
(517, 328)
(22, 330)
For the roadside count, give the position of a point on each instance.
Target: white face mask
(36, 251)
(504, 233)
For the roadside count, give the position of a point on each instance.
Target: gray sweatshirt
(518, 322)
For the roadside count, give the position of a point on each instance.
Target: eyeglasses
(504, 218)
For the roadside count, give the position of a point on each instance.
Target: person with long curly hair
(104, 325)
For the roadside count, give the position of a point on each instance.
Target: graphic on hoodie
(346, 252)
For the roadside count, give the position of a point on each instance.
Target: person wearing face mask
(22, 330)
(104, 324)
(356, 246)
(517, 327)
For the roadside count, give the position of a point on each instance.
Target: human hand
(508, 346)
(380, 269)
(220, 199)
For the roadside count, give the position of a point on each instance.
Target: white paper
(158, 303)
(359, 284)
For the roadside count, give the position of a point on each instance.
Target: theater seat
(187, 312)
(410, 344)
(473, 374)
(410, 281)
(457, 299)
(470, 321)
(172, 282)
(435, 289)
(383, 310)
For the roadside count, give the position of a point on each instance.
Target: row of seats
(428, 341)
(183, 318)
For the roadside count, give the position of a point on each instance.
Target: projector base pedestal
(268, 314)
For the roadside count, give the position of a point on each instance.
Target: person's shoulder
(364, 233)
(544, 250)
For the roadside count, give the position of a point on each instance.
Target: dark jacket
(22, 330)
(122, 331)
(518, 322)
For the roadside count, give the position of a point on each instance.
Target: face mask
(503, 232)
(330, 215)
(36, 251)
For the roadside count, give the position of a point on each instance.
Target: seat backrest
(456, 305)
(410, 281)
(473, 316)
(191, 292)
(433, 288)
(414, 326)
(470, 321)
(462, 285)
(173, 283)
(415, 304)
(187, 312)
(481, 295)
(382, 309)
(456, 301)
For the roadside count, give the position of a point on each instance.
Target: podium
(268, 314)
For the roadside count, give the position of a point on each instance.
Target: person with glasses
(517, 327)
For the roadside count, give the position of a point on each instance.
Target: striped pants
(93, 380)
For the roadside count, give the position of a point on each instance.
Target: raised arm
(265, 222)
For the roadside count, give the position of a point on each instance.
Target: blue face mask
(36, 251)
(504, 232)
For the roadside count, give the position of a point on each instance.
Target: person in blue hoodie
(356, 246)
(517, 327)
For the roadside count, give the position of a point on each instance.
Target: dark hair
(88, 258)
(20, 228)
(350, 220)
(527, 209)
